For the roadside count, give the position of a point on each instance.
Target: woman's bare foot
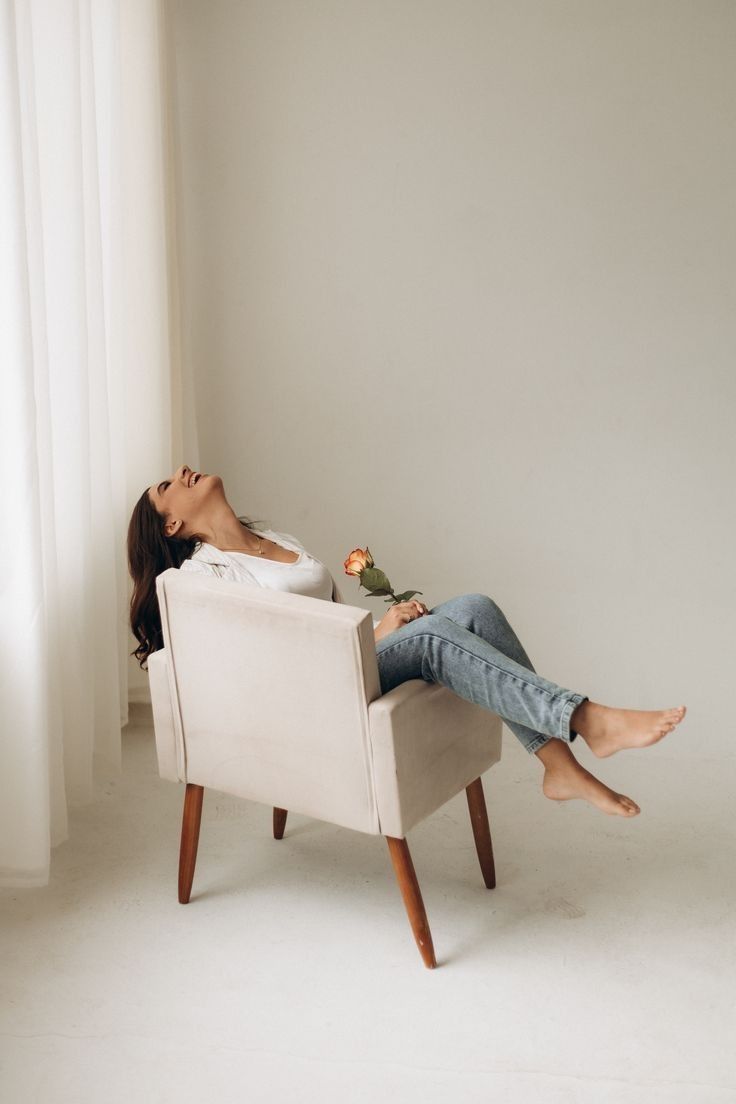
(565, 779)
(581, 783)
(607, 730)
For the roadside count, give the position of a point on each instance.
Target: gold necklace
(260, 547)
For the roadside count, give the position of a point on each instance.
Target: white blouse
(306, 575)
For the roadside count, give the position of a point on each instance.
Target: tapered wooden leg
(409, 886)
(189, 839)
(279, 822)
(481, 831)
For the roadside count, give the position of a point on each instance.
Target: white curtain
(90, 403)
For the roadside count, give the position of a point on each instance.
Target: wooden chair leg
(279, 822)
(481, 831)
(409, 886)
(189, 839)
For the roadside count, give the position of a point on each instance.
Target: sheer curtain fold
(87, 385)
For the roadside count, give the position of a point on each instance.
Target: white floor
(600, 969)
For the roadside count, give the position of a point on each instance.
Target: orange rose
(358, 560)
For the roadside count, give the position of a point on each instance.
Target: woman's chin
(211, 484)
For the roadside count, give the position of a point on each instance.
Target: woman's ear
(172, 527)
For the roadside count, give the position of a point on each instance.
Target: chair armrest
(163, 717)
(422, 703)
(427, 745)
(413, 690)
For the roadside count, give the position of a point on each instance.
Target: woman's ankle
(580, 718)
(556, 755)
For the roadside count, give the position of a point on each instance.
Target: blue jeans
(468, 645)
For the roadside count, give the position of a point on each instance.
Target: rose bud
(358, 560)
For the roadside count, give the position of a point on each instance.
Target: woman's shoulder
(201, 564)
(208, 560)
(194, 563)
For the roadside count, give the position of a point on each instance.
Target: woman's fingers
(412, 610)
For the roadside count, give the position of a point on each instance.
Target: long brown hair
(150, 552)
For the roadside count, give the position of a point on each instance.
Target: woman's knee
(488, 613)
(469, 607)
(483, 602)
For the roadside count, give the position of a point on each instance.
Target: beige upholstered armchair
(275, 697)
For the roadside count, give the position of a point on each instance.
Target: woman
(465, 643)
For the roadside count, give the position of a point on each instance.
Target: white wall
(458, 282)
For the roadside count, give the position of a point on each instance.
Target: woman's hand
(397, 615)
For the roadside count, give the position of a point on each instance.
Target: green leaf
(407, 595)
(374, 579)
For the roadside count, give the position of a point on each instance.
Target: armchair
(275, 697)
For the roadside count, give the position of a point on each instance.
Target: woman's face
(184, 498)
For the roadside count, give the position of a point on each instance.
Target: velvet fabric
(275, 697)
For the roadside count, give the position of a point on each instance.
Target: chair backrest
(270, 694)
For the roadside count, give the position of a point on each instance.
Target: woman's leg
(437, 648)
(482, 616)
(605, 729)
(498, 675)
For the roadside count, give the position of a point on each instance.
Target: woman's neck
(227, 533)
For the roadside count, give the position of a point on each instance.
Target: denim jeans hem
(538, 743)
(568, 709)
